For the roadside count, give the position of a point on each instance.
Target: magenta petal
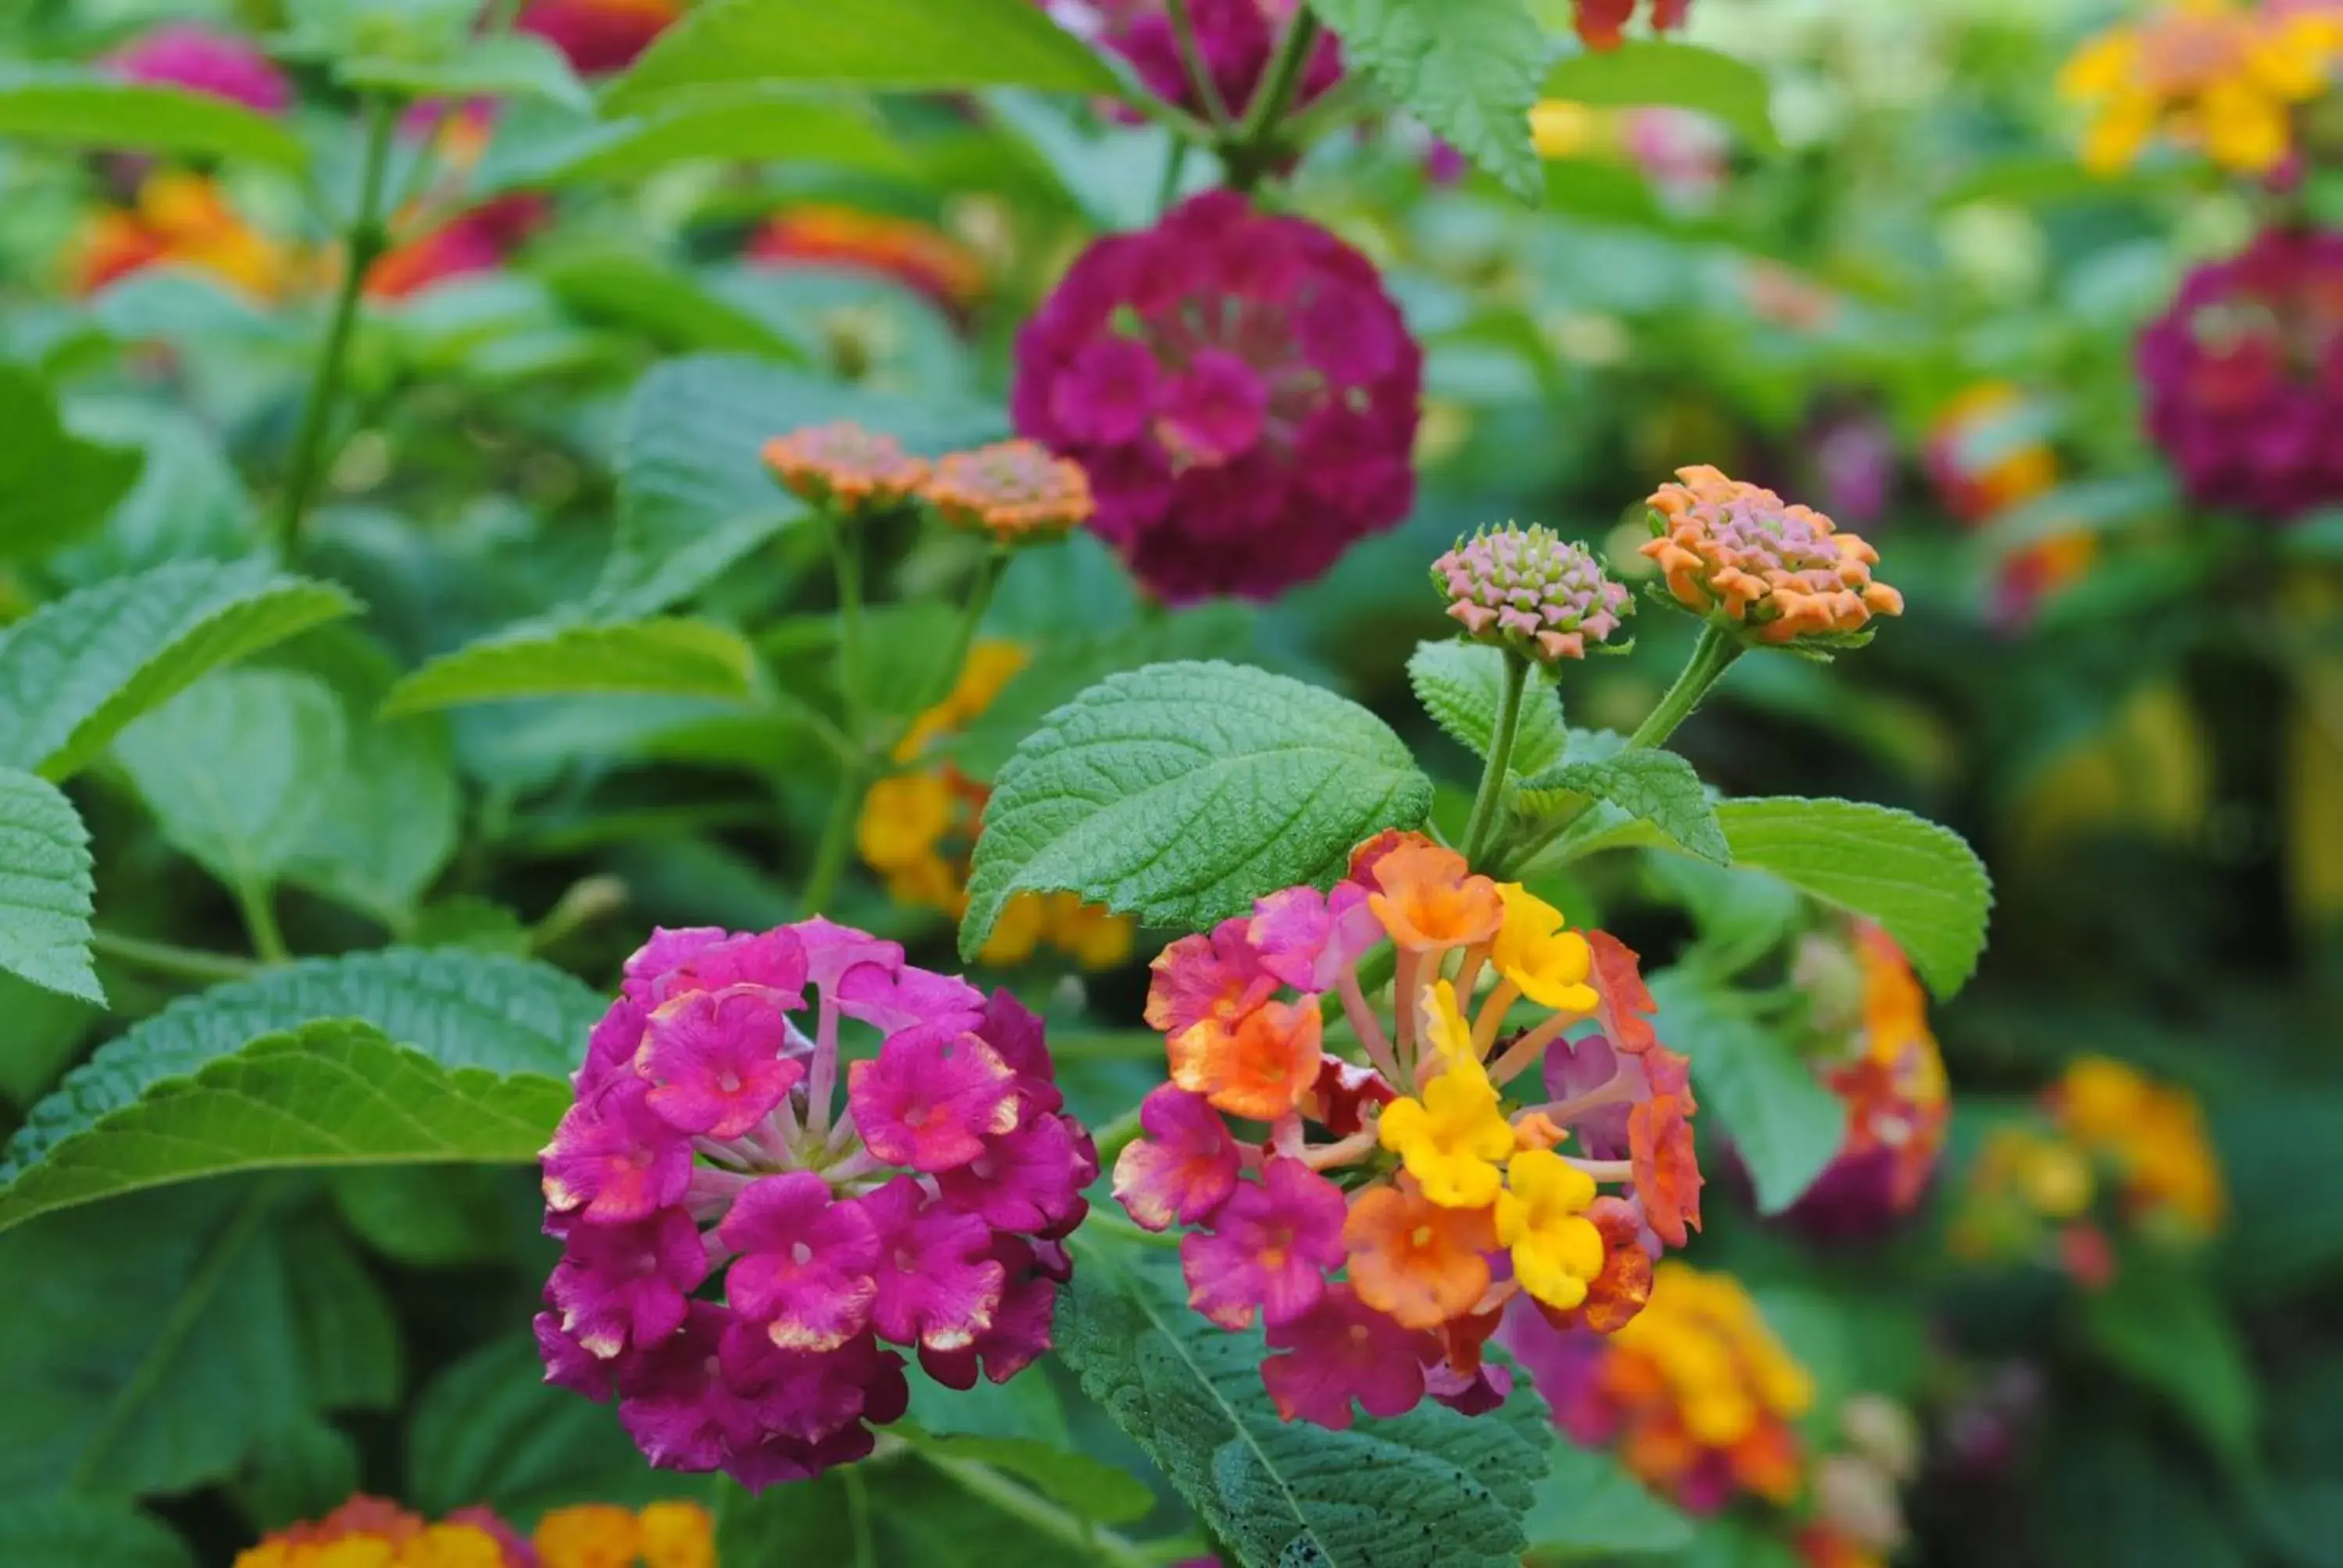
(1269, 1248)
(1308, 938)
(806, 1261)
(612, 1161)
(931, 1097)
(937, 1286)
(714, 1060)
(1183, 1169)
(1108, 392)
(1342, 1350)
(1029, 1179)
(900, 999)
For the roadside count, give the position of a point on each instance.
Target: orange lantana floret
(1260, 1068)
(1415, 1260)
(1739, 555)
(1429, 899)
(845, 467)
(1016, 492)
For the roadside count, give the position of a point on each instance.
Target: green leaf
(236, 769)
(44, 888)
(82, 108)
(670, 656)
(1644, 72)
(2163, 1327)
(752, 124)
(1181, 792)
(1785, 1124)
(74, 1532)
(490, 1430)
(1469, 69)
(1655, 787)
(663, 302)
(298, 1471)
(1462, 685)
(1081, 1486)
(513, 65)
(1432, 1489)
(1591, 1506)
(151, 1344)
(259, 1072)
(77, 671)
(912, 1510)
(54, 485)
(438, 1216)
(343, 1323)
(916, 45)
(45, 1029)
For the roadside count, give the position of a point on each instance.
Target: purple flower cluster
(2243, 376)
(219, 65)
(1234, 39)
(706, 1139)
(1241, 390)
(1530, 589)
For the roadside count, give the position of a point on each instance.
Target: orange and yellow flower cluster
(185, 220)
(2115, 1146)
(1984, 460)
(1387, 1210)
(1739, 555)
(2218, 76)
(1011, 492)
(917, 254)
(917, 828)
(1695, 1394)
(369, 1532)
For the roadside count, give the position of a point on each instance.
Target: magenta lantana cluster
(218, 64)
(2243, 376)
(738, 1250)
(1234, 40)
(1531, 590)
(1241, 390)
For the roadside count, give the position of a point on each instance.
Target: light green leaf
(752, 124)
(670, 656)
(673, 307)
(513, 65)
(1658, 72)
(77, 671)
(1432, 1489)
(74, 1532)
(915, 44)
(1181, 792)
(2164, 1328)
(1590, 1507)
(189, 501)
(1467, 68)
(237, 768)
(44, 888)
(694, 495)
(1655, 787)
(1786, 1126)
(1462, 685)
(1081, 1486)
(326, 1061)
(82, 108)
(54, 485)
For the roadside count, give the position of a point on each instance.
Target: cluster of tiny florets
(1739, 555)
(1531, 590)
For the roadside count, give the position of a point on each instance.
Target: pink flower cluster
(1531, 590)
(2243, 376)
(219, 65)
(706, 1148)
(1241, 390)
(1234, 40)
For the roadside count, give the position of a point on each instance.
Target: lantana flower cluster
(1376, 1217)
(918, 256)
(1241, 390)
(1881, 1059)
(1695, 1394)
(738, 1250)
(2115, 1153)
(2218, 76)
(2243, 376)
(918, 830)
(1234, 42)
(599, 37)
(1983, 459)
(1010, 492)
(1737, 555)
(1602, 24)
(1530, 589)
(199, 59)
(370, 1533)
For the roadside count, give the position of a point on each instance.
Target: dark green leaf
(1081, 1486)
(54, 485)
(738, 124)
(1590, 1507)
(74, 1532)
(44, 888)
(2163, 1327)
(514, 65)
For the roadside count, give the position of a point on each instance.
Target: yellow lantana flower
(1454, 1139)
(2210, 73)
(1539, 954)
(1540, 1216)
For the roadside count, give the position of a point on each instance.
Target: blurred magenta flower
(203, 60)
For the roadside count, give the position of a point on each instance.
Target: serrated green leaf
(1590, 1506)
(1432, 1489)
(489, 1040)
(1467, 68)
(915, 44)
(54, 485)
(1081, 1486)
(668, 656)
(74, 1532)
(237, 768)
(752, 124)
(83, 108)
(73, 674)
(2163, 1327)
(1785, 1124)
(1644, 72)
(1655, 787)
(46, 891)
(694, 495)
(1462, 685)
(1179, 793)
(511, 65)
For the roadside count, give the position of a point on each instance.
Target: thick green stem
(366, 241)
(256, 899)
(1191, 63)
(1116, 1135)
(1249, 153)
(1486, 804)
(170, 959)
(1712, 656)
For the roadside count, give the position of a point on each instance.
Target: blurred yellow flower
(2211, 75)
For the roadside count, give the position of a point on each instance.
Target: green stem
(837, 838)
(170, 959)
(1115, 1137)
(1712, 656)
(972, 616)
(1249, 153)
(1090, 1541)
(858, 1517)
(365, 240)
(1483, 821)
(1102, 1223)
(846, 557)
(1191, 63)
(255, 899)
(1175, 163)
